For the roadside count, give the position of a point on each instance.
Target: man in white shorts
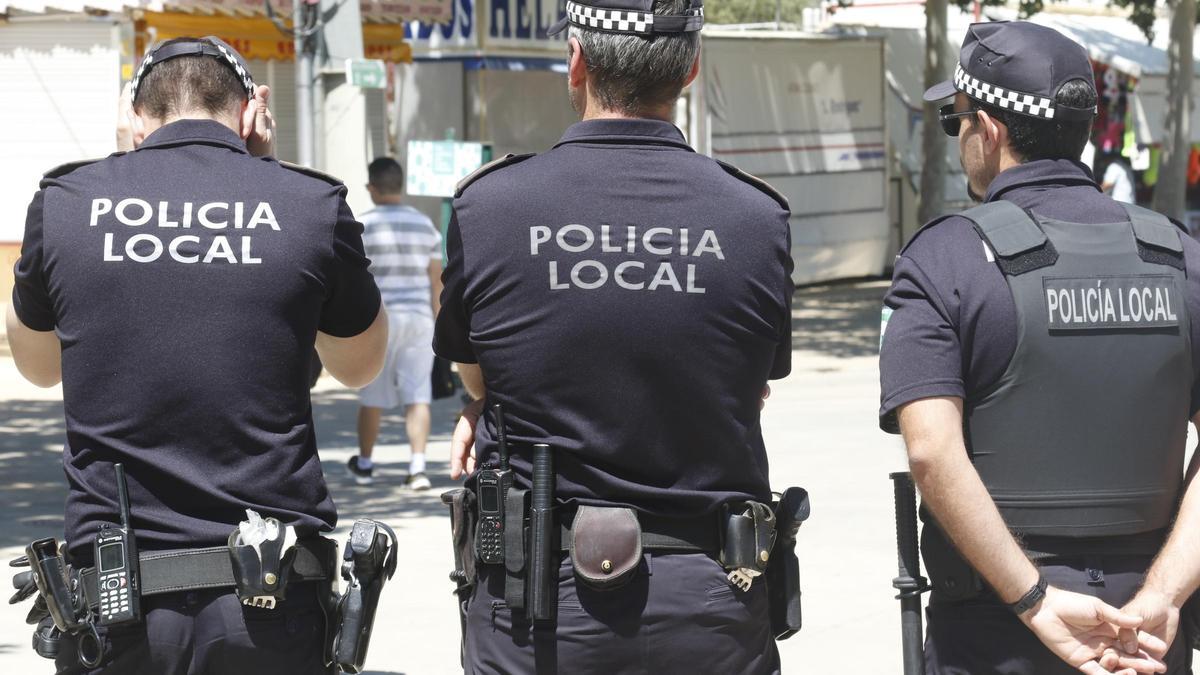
(406, 258)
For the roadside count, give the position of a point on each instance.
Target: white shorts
(405, 378)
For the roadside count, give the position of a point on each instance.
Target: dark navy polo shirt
(627, 300)
(187, 281)
(952, 324)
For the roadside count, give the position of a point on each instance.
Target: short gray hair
(632, 73)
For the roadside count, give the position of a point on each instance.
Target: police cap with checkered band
(1018, 66)
(205, 46)
(634, 17)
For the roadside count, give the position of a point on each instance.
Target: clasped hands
(1097, 638)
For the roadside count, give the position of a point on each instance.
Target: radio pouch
(606, 546)
(516, 542)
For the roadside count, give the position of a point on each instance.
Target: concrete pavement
(821, 432)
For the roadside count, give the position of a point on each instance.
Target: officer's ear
(246, 118)
(137, 127)
(995, 134)
(576, 65)
(691, 76)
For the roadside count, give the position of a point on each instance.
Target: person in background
(406, 258)
(1118, 181)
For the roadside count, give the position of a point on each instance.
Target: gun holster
(261, 572)
(368, 563)
(463, 517)
(60, 610)
(783, 574)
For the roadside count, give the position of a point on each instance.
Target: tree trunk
(1171, 191)
(933, 146)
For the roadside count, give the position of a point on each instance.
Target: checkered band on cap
(247, 81)
(141, 72)
(1018, 102)
(230, 60)
(610, 19)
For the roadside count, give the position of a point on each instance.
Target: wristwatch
(1031, 598)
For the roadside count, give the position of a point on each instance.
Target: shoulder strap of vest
(757, 182)
(309, 171)
(491, 166)
(1153, 228)
(1157, 237)
(1014, 236)
(1009, 230)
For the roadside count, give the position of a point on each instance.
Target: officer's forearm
(1176, 571)
(472, 378)
(37, 354)
(953, 491)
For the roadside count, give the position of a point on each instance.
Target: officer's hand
(462, 443)
(1080, 629)
(1160, 621)
(260, 140)
(765, 395)
(125, 119)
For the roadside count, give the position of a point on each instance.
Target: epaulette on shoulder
(64, 169)
(309, 171)
(491, 166)
(757, 182)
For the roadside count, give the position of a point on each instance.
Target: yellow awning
(256, 37)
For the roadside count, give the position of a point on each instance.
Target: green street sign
(366, 73)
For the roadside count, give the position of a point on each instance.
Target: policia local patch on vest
(1148, 301)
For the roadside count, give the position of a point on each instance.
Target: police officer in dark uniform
(625, 301)
(1038, 359)
(184, 284)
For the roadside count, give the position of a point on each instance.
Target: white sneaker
(418, 482)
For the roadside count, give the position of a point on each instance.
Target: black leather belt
(697, 534)
(207, 568)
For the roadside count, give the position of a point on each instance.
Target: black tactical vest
(1084, 434)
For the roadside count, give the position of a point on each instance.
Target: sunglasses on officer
(949, 118)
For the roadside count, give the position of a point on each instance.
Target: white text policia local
(183, 248)
(631, 275)
(1102, 305)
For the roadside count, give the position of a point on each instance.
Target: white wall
(61, 81)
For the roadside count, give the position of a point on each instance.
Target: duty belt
(662, 534)
(179, 570)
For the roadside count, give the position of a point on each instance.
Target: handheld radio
(117, 578)
(492, 486)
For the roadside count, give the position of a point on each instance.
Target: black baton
(909, 582)
(543, 568)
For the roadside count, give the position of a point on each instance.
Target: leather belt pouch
(606, 546)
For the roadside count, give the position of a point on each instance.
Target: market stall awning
(373, 11)
(257, 37)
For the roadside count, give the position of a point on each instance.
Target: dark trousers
(679, 614)
(983, 637)
(212, 633)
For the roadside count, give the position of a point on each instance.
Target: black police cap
(205, 46)
(1018, 66)
(634, 17)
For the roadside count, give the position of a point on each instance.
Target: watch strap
(1031, 598)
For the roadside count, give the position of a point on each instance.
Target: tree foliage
(753, 11)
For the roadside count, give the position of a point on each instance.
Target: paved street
(820, 428)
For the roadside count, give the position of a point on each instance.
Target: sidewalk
(820, 428)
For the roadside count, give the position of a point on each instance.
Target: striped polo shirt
(401, 241)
